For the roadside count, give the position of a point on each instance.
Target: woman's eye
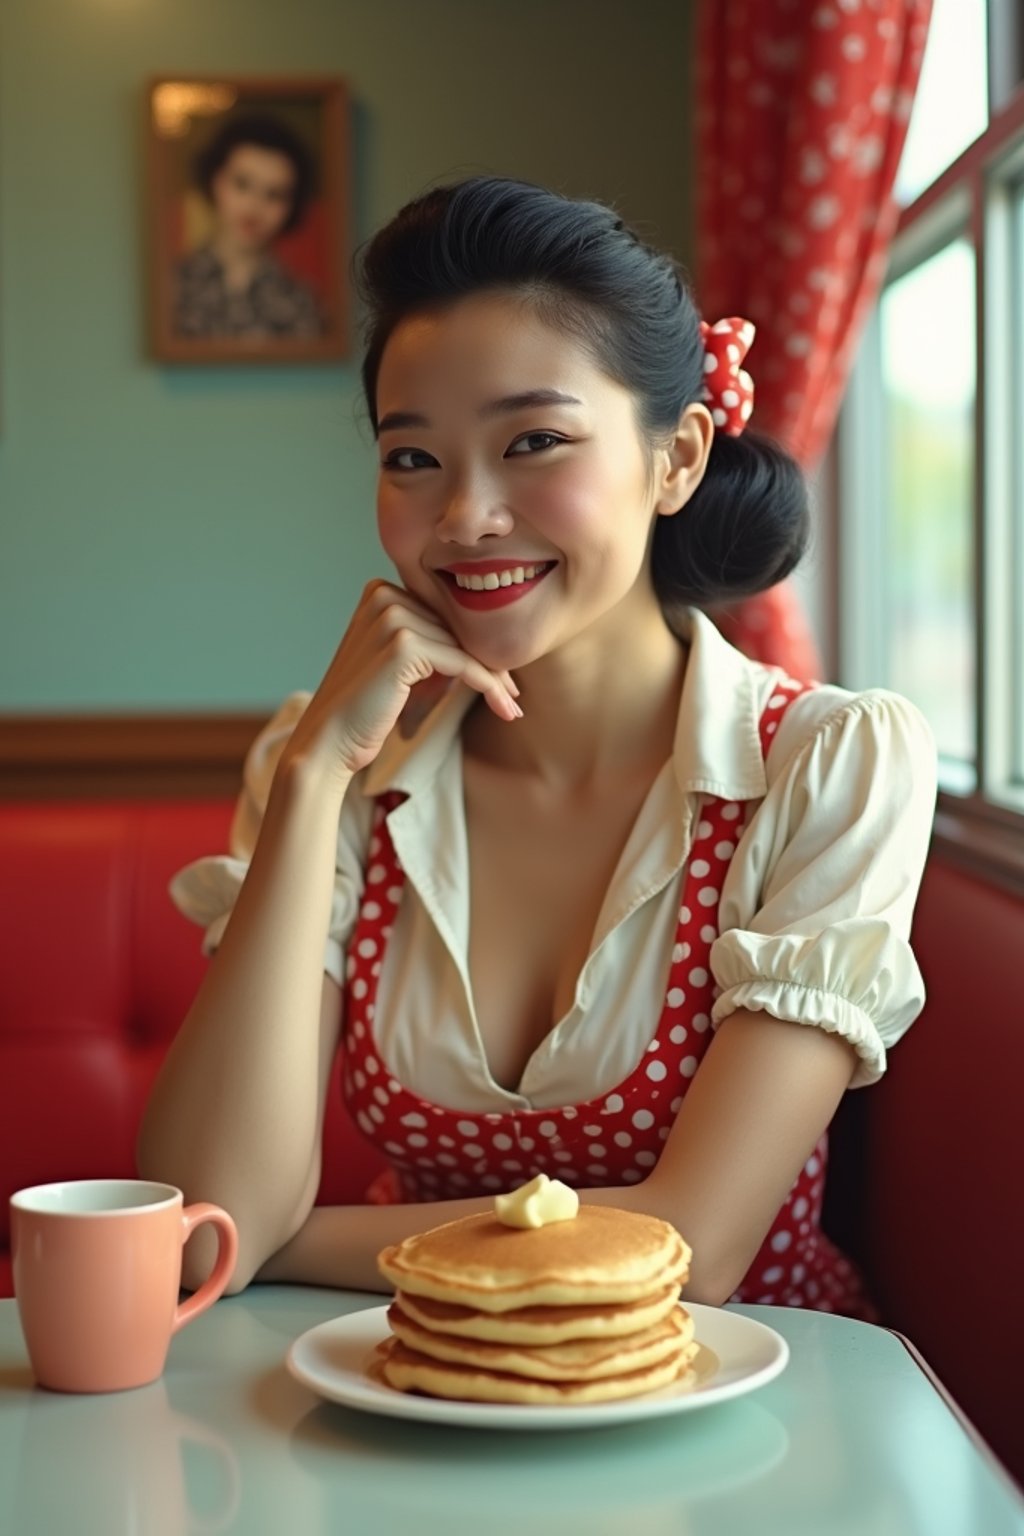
(407, 458)
(535, 442)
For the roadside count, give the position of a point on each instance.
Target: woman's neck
(592, 713)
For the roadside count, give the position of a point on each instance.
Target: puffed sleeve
(816, 909)
(207, 889)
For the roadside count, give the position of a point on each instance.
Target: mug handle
(227, 1254)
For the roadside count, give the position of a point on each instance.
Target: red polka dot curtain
(802, 112)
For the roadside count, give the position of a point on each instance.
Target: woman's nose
(471, 514)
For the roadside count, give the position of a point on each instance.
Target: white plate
(736, 1356)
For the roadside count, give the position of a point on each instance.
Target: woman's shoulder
(826, 718)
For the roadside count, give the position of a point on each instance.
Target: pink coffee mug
(97, 1272)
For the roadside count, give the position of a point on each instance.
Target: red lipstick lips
(496, 596)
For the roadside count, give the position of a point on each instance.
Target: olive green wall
(194, 538)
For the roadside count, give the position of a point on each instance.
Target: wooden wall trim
(63, 757)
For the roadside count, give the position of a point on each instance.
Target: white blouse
(815, 910)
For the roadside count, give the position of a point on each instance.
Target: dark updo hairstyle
(746, 526)
(264, 132)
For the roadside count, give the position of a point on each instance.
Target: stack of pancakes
(580, 1311)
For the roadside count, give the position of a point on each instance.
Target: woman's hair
(585, 273)
(264, 132)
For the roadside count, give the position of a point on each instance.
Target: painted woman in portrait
(257, 177)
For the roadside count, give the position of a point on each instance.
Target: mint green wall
(189, 538)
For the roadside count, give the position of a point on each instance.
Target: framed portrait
(247, 219)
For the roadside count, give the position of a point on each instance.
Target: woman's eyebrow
(528, 398)
(396, 420)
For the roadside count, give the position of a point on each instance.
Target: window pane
(928, 367)
(951, 104)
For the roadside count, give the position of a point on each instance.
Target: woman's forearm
(729, 1161)
(234, 1116)
(337, 1246)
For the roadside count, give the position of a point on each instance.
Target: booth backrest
(943, 1157)
(97, 971)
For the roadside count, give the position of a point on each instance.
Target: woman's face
(252, 195)
(504, 449)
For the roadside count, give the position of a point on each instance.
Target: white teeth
(494, 579)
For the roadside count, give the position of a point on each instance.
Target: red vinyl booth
(97, 970)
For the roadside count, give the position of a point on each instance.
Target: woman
(600, 897)
(257, 177)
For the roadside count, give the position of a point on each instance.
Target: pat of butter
(537, 1204)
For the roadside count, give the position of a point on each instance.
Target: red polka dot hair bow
(728, 388)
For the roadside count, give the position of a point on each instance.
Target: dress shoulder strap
(782, 695)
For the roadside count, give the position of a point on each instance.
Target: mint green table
(853, 1439)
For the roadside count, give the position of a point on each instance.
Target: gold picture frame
(247, 219)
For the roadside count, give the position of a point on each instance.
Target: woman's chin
(503, 658)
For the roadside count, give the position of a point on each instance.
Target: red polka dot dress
(615, 1138)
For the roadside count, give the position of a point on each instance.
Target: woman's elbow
(709, 1289)
(239, 1282)
(198, 1260)
(716, 1267)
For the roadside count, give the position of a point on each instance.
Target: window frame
(975, 198)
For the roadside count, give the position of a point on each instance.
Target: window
(951, 105)
(930, 443)
(928, 454)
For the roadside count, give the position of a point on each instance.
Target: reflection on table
(852, 1437)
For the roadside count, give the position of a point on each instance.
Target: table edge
(981, 1445)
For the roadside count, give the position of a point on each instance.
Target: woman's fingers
(422, 701)
(395, 660)
(425, 697)
(419, 654)
(385, 595)
(398, 611)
